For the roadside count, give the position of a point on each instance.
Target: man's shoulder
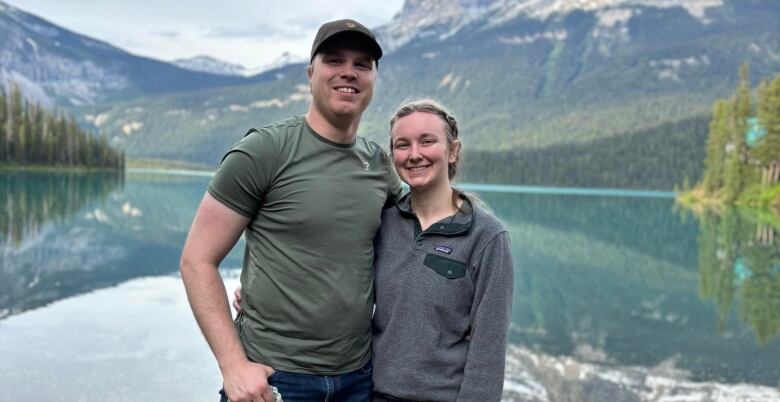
(290, 123)
(271, 136)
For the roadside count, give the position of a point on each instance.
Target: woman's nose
(413, 153)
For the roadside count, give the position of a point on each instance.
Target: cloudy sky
(249, 32)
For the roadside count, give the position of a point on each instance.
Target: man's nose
(348, 71)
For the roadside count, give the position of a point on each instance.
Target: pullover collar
(453, 225)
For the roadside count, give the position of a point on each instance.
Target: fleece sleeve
(483, 378)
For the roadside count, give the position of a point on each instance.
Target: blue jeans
(354, 386)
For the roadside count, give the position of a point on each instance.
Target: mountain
(531, 75)
(441, 19)
(283, 60)
(60, 67)
(208, 64)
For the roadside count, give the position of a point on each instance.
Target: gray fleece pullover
(433, 289)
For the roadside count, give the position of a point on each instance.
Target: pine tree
(735, 168)
(769, 106)
(768, 148)
(15, 111)
(716, 144)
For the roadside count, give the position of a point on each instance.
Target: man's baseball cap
(331, 29)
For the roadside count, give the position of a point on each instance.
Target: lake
(619, 296)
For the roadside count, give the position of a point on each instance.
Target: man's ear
(309, 70)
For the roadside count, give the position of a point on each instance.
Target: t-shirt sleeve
(393, 182)
(245, 174)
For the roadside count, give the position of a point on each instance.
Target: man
(308, 193)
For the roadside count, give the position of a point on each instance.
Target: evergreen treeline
(30, 135)
(654, 158)
(732, 167)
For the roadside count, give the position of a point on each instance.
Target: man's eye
(401, 145)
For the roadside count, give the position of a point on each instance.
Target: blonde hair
(427, 105)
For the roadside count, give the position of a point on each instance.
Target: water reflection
(78, 233)
(739, 264)
(616, 298)
(614, 282)
(29, 200)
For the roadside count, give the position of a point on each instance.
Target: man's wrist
(229, 364)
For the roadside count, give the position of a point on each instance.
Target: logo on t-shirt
(365, 165)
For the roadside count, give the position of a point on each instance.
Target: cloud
(168, 34)
(292, 31)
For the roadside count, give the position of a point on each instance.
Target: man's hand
(248, 382)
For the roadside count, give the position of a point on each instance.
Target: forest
(33, 136)
(742, 162)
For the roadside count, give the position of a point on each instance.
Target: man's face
(342, 81)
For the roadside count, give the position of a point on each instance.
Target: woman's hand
(237, 299)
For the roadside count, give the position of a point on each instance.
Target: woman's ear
(454, 151)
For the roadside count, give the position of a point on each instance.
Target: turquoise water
(90, 298)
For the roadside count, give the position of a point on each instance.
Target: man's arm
(214, 231)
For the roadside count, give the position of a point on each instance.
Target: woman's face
(421, 153)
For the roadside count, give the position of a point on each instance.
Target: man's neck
(340, 131)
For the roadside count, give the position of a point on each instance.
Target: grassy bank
(55, 168)
(763, 198)
(166, 164)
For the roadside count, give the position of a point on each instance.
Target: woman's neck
(433, 205)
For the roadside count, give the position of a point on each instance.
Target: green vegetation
(166, 164)
(31, 136)
(653, 158)
(740, 166)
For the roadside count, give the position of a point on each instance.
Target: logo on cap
(350, 24)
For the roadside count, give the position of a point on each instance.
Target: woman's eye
(401, 146)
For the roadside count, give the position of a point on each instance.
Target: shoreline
(762, 199)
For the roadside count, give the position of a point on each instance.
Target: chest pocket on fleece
(446, 267)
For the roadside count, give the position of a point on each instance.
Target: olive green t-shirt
(307, 278)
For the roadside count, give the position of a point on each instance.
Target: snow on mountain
(34, 55)
(444, 18)
(55, 66)
(208, 64)
(281, 61)
(211, 65)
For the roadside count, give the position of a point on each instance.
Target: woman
(443, 274)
